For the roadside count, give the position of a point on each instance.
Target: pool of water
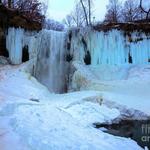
(138, 130)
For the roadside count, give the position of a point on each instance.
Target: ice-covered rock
(112, 47)
(4, 60)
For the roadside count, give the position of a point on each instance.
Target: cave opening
(130, 59)
(87, 58)
(3, 50)
(25, 54)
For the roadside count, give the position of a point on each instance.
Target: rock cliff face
(53, 52)
(3, 51)
(111, 44)
(13, 18)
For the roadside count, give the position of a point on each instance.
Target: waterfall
(51, 50)
(51, 67)
(47, 49)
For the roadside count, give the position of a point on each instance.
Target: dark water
(138, 130)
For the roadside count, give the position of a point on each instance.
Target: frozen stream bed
(33, 119)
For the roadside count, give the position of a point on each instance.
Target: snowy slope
(33, 119)
(127, 85)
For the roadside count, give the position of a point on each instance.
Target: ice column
(111, 47)
(14, 44)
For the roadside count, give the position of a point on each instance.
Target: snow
(127, 85)
(57, 121)
(109, 89)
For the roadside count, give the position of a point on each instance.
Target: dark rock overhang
(140, 26)
(14, 18)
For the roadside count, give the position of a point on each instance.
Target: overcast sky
(58, 9)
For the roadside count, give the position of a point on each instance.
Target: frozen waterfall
(51, 50)
(51, 68)
(47, 49)
(16, 40)
(111, 47)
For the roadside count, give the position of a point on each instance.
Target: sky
(58, 9)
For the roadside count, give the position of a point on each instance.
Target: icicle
(112, 47)
(14, 44)
(47, 50)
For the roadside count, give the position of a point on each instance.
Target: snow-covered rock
(4, 60)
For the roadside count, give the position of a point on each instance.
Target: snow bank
(56, 129)
(127, 85)
(55, 121)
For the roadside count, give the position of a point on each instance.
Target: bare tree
(130, 11)
(9, 3)
(53, 25)
(81, 15)
(87, 10)
(89, 6)
(76, 17)
(147, 12)
(44, 7)
(32, 9)
(68, 21)
(113, 11)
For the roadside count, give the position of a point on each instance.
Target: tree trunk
(147, 12)
(9, 3)
(12, 3)
(147, 15)
(89, 4)
(85, 14)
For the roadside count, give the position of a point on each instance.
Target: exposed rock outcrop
(13, 18)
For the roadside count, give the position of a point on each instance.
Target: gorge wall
(52, 53)
(113, 47)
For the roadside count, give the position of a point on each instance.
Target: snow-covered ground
(126, 85)
(33, 119)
